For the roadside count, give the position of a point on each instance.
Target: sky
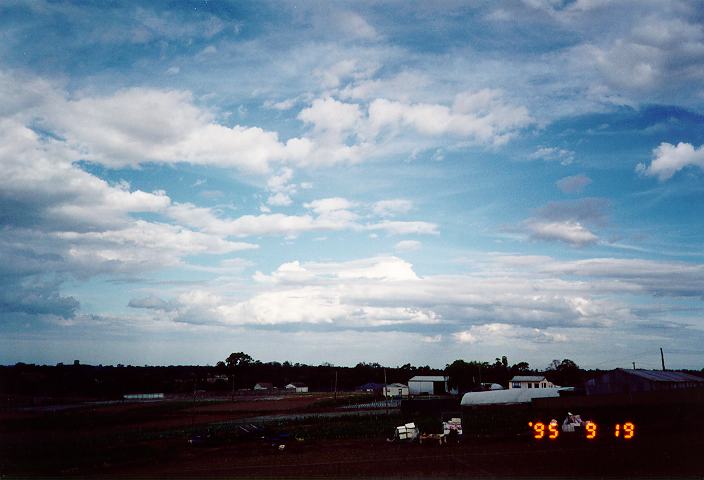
(347, 182)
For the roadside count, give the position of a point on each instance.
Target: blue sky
(343, 182)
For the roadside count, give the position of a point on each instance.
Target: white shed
(394, 390)
(428, 385)
(297, 387)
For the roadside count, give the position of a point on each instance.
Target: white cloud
(553, 154)
(568, 221)
(141, 125)
(389, 208)
(570, 232)
(405, 228)
(330, 115)
(491, 305)
(657, 50)
(480, 116)
(327, 205)
(670, 159)
(331, 214)
(407, 246)
(502, 333)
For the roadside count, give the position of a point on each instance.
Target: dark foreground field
(152, 440)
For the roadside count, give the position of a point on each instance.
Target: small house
(263, 386)
(530, 381)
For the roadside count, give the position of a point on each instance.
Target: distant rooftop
(663, 376)
(528, 378)
(428, 378)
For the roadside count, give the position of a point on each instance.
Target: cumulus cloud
(331, 116)
(568, 221)
(141, 125)
(512, 297)
(481, 116)
(390, 208)
(574, 183)
(669, 159)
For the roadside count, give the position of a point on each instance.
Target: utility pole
(335, 384)
(662, 358)
(385, 391)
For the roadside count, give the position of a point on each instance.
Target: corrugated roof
(514, 395)
(428, 378)
(397, 385)
(663, 376)
(528, 378)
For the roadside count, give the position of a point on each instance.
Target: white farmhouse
(530, 381)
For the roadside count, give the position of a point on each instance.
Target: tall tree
(238, 359)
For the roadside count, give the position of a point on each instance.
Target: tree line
(239, 371)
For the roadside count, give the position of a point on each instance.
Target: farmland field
(242, 438)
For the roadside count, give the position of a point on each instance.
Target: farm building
(297, 387)
(263, 386)
(143, 396)
(510, 396)
(428, 385)
(631, 381)
(394, 390)
(530, 381)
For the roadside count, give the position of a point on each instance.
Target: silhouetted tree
(565, 373)
(238, 359)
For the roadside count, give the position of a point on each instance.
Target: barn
(624, 380)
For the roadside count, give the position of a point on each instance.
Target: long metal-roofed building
(624, 380)
(509, 396)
